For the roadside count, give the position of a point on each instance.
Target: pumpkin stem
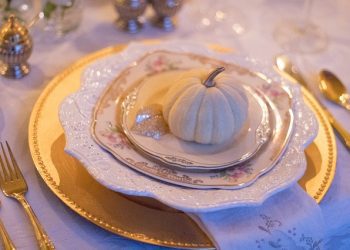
(210, 80)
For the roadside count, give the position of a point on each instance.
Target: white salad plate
(171, 150)
(79, 115)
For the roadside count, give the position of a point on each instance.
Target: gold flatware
(7, 242)
(285, 67)
(333, 89)
(14, 185)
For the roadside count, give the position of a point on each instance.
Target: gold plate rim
(330, 163)
(50, 182)
(41, 167)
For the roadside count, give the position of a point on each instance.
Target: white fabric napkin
(289, 220)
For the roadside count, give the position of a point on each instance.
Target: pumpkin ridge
(173, 94)
(238, 89)
(212, 113)
(202, 92)
(197, 113)
(238, 99)
(180, 116)
(205, 113)
(241, 93)
(224, 102)
(199, 124)
(198, 92)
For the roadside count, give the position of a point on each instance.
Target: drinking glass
(60, 16)
(24, 10)
(217, 18)
(301, 35)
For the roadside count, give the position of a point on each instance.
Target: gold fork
(8, 244)
(14, 185)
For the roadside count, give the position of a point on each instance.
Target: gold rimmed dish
(107, 132)
(156, 223)
(76, 110)
(174, 152)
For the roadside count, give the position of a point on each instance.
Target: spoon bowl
(333, 89)
(286, 68)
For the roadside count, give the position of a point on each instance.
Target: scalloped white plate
(76, 118)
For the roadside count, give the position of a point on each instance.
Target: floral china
(107, 132)
(178, 153)
(77, 110)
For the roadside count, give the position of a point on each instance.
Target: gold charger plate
(138, 218)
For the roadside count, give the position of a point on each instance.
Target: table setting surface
(69, 216)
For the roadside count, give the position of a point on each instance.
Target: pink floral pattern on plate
(114, 137)
(77, 110)
(234, 174)
(161, 63)
(109, 136)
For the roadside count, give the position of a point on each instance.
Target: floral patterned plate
(230, 178)
(106, 117)
(77, 111)
(172, 151)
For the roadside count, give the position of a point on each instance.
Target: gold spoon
(333, 89)
(285, 67)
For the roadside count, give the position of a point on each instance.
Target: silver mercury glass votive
(165, 10)
(129, 12)
(15, 49)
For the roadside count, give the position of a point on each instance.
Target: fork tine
(8, 164)
(14, 162)
(4, 176)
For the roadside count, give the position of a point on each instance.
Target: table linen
(17, 97)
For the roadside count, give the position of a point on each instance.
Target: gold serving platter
(138, 218)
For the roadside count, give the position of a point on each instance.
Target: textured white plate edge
(136, 50)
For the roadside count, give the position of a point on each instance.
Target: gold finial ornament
(15, 49)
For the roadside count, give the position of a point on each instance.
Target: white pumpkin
(205, 108)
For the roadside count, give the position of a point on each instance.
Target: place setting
(175, 143)
(113, 123)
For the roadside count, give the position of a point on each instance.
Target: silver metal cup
(129, 12)
(165, 10)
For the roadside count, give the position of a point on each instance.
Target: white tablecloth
(68, 230)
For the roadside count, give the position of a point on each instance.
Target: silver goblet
(165, 10)
(15, 49)
(129, 12)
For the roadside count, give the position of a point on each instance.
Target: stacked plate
(265, 158)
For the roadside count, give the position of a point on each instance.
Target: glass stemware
(61, 16)
(217, 18)
(301, 35)
(24, 10)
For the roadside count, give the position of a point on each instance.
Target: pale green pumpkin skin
(206, 115)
